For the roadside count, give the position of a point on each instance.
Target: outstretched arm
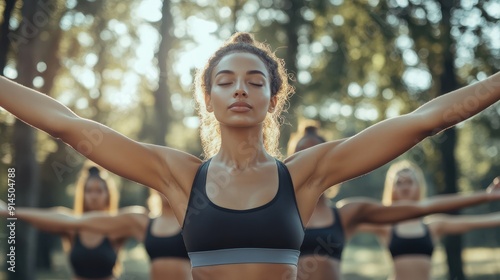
(451, 224)
(334, 162)
(130, 222)
(375, 213)
(60, 220)
(142, 163)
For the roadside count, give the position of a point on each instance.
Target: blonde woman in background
(411, 243)
(333, 225)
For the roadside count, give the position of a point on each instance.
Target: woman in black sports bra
(91, 255)
(250, 197)
(158, 230)
(411, 243)
(332, 226)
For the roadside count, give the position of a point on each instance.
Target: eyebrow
(248, 72)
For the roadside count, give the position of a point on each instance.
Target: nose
(240, 92)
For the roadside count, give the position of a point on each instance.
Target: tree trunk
(447, 145)
(292, 9)
(24, 137)
(4, 33)
(162, 103)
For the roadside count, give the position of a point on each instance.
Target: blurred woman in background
(91, 255)
(411, 243)
(332, 225)
(157, 229)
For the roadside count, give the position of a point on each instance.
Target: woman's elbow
(431, 123)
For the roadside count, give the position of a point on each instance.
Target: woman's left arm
(373, 212)
(450, 224)
(386, 140)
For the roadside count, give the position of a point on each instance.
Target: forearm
(378, 214)
(456, 106)
(446, 225)
(32, 107)
(451, 202)
(102, 223)
(47, 220)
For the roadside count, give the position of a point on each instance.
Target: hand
(494, 189)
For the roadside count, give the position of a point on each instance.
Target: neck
(242, 147)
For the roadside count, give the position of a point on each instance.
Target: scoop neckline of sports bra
(78, 236)
(263, 206)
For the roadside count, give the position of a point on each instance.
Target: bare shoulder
(304, 165)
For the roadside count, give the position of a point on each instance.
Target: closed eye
(257, 85)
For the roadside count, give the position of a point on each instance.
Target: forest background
(129, 64)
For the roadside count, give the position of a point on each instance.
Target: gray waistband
(244, 255)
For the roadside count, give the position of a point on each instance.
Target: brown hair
(242, 42)
(401, 166)
(94, 172)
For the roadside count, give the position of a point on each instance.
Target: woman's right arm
(143, 163)
(57, 220)
(131, 222)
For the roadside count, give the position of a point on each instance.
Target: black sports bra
(92, 263)
(325, 241)
(411, 246)
(271, 233)
(164, 247)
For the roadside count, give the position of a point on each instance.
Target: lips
(240, 106)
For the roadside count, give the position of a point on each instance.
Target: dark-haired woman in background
(332, 226)
(92, 256)
(158, 230)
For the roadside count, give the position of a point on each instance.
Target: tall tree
(24, 140)
(162, 104)
(293, 9)
(448, 140)
(4, 33)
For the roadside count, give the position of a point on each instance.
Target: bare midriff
(412, 267)
(246, 272)
(315, 267)
(170, 268)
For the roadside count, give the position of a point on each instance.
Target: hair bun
(311, 130)
(242, 37)
(94, 171)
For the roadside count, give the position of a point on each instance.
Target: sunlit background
(353, 63)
